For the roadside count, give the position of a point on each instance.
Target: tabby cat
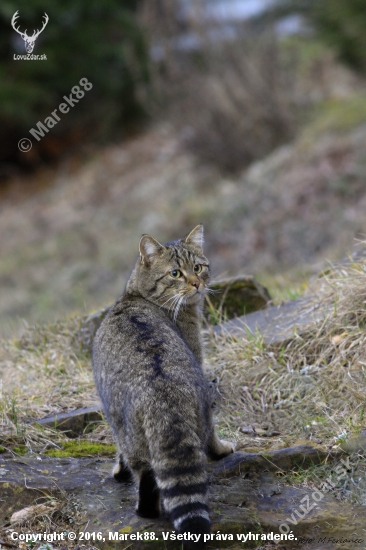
(147, 359)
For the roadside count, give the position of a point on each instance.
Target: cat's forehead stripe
(176, 257)
(180, 254)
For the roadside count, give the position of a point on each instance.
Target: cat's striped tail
(181, 477)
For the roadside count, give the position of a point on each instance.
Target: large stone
(277, 324)
(300, 456)
(235, 297)
(245, 496)
(73, 423)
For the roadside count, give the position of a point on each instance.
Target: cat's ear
(149, 249)
(195, 237)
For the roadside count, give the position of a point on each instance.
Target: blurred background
(246, 115)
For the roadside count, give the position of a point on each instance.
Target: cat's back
(130, 318)
(137, 337)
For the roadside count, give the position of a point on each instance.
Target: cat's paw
(222, 448)
(121, 473)
(227, 447)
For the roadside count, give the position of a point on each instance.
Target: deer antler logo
(29, 40)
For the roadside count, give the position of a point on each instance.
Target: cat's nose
(195, 283)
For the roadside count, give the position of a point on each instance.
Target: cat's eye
(197, 268)
(175, 273)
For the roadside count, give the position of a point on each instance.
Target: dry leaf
(338, 338)
(32, 511)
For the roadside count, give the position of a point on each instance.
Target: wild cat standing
(147, 358)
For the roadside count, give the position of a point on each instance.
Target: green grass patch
(78, 448)
(20, 449)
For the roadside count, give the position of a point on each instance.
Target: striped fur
(147, 359)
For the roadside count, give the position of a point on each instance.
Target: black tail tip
(196, 528)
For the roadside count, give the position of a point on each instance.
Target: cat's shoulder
(132, 311)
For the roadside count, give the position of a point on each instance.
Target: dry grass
(232, 96)
(312, 387)
(47, 515)
(42, 373)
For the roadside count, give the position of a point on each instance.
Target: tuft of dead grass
(312, 386)
(42, 373)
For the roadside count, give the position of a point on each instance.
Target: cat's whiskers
(173, 298)
(160, 297)
(178, 307)
(168, 300)
(174, 304)
(212, 291)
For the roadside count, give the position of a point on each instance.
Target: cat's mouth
(195, 294)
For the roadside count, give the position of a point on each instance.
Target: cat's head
(174, 274)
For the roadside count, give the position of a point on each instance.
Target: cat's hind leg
(218, 448)
(121, 472)
(149, 497)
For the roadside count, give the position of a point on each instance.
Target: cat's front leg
(218, 448)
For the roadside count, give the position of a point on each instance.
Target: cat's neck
(189, 325)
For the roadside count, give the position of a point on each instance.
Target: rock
(283, 459)
(277, 324)
(245, 496)
(247, 430)
(234, 297)
(73, 423)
